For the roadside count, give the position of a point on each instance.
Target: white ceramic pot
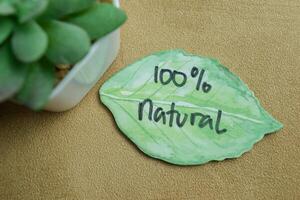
(85, 74)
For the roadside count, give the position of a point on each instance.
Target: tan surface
(80, 154)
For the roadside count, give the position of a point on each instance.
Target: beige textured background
(80, 154)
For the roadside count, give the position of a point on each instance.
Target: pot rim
(78, 66)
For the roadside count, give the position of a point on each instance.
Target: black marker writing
(173, 116)
(179, 79)
(165, 76)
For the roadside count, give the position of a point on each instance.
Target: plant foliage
(37, 35)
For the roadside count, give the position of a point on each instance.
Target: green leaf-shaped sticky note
(6, 26)
(99, 20)
(38, 85)
(30, 8)
(29, 42)
(59, 8)
(12, 73)
(68, 43)
(186, 109)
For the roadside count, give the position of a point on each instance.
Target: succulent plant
(37, 35)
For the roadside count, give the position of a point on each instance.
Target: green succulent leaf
(67, 43)
(59, 8)
(6, 26)
(99, 20)
(38, 85)
(29, 42)
(29, 9)
(7, 7)
(185, 124)
(12, 73)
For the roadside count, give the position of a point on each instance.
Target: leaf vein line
(184, 104)
(137, 123)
